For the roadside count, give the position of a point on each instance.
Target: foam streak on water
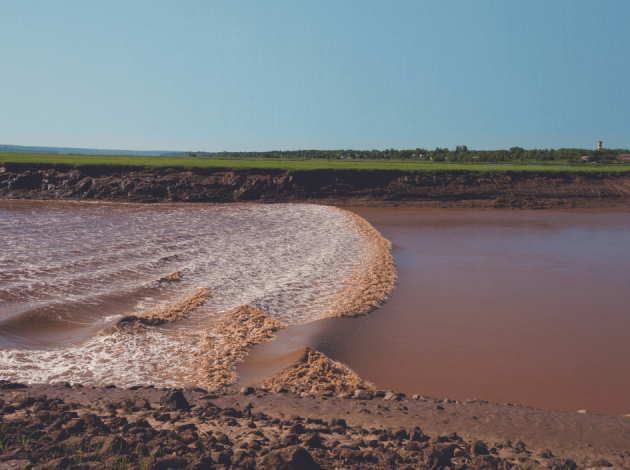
(70, 271)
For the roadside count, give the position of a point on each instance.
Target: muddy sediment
(58, 426)
(315, 372)
(210, 355)
(445, 189)
(219, 347)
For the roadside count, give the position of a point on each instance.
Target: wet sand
(526, 308)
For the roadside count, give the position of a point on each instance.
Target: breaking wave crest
(86, 295)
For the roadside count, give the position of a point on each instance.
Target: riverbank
(439, 189)
(54, 426)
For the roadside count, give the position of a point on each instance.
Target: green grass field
(290, 165)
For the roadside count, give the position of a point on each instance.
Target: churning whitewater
(172, 295)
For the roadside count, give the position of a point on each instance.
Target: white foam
(289, 260)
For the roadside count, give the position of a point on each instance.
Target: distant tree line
(460, 154)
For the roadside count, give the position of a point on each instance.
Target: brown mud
(446, 189)
(58, 426)
(222, 345)
(313, 371)
(218, 348)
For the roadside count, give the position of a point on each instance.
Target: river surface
(70, 271)
(508, 306)
(521, 307)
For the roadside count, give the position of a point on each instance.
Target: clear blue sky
(283, 75)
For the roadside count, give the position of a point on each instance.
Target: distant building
(589, 158)
(624, 158)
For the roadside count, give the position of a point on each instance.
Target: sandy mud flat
(62, 426)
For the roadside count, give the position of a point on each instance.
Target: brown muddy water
(507, 306)
(522, 307)
(70, 272)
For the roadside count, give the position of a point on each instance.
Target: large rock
(223, 438)
(241, 459)
(22, 400)
(519, 446)
(58, 464)
(290, 458)
(601, 464)
(391, 396)
(478, 448)
(400, 433)
(203, 462)
(232, 413)
(412, 446)
(486, 462)
(362, 394)
(448, 449)
(174, 400)
(338, 422)
(313, 440)
(166, 463)
(141, 404)
(565, 464)
(76, 426)
(114, 444)
(8, 385)
(297, 428)
(16, 454)
(434, 459)
(16, 464)
(180, 428)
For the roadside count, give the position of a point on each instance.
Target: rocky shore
(452, 189)
(62, 426)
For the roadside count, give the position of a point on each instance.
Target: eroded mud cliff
(347, 187)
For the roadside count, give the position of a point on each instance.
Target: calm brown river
(512, 307)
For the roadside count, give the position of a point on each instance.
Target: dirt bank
(57, 426)
(456, 189)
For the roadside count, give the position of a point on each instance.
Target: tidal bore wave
(86, 295)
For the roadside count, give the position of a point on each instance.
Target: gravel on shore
(62, 426)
